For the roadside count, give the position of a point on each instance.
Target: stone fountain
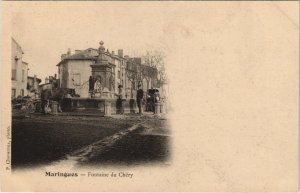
(103, 99)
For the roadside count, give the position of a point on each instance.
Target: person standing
(91, 84)
(120, 91)
(139, 98)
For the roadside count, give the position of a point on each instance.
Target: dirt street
(123, 140)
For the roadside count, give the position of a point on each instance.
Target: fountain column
(102, 71)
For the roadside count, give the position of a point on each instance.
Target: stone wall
(96, 106)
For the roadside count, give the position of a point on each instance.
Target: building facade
(19, 71)
(76, 70)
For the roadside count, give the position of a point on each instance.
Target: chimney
(63, 56)
(113, 53)
(120, 52)
(69, 52)
(77, 51)
(46, 80)
(55, 76)
(137, 60)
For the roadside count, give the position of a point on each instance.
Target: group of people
(139, 98)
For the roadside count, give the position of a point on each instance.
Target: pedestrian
(139, 98)
(120, 87)
(91, 84)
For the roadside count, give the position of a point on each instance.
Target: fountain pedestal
(103, 100)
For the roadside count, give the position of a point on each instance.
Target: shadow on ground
(134, 149)
(41, 140)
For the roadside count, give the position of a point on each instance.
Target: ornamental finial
(101, 48)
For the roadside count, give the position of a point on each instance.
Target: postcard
(150, 96)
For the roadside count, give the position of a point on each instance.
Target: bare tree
(155, 59)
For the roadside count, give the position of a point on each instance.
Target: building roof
(91, 49)
(117, 57)
(49, 83)
(86, 55)
(79, 56)
(17, 44)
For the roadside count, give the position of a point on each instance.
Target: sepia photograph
(91, 106)
(149, 96)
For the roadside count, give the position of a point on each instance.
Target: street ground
(122, 139)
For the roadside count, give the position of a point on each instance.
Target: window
(23, 76)
(76, 79)
(14, 74)
(13, 93)
(22, 92)
(119, 74)
(14, 70)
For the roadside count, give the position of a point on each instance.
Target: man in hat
(139, 98)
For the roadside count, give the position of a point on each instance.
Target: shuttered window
(14, 74)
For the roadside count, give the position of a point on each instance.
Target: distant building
(51, 82)
(33, 86)
(19, 71)
(75, 72)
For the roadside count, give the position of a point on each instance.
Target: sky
(190, 34)
(46, 32)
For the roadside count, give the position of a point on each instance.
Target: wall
(63, 75)
(117, 69)
(45, 87)
(120, 67)
(18, 65)
(79, 71)
(72, 69)
(123, 75)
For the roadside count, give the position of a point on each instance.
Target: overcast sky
(46, 32)
(193, 35)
